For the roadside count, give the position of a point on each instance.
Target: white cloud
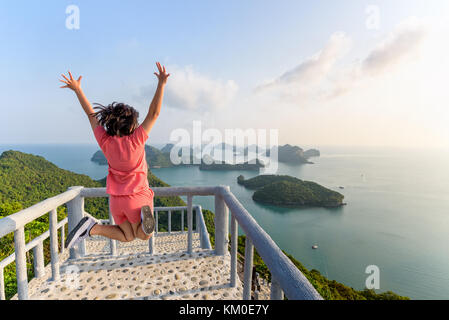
(394, 94)
(403, 42)
(191, 90)
(309, 74)
(319, 78)
(401, 47)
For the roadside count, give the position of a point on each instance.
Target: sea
(396, 220)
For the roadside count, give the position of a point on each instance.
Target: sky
(321, 73)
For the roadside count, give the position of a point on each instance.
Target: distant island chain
(271, 189)
(162, 158)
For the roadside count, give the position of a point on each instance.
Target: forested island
(287, 191)
(26, 179)
(228, 166)
(289, 154)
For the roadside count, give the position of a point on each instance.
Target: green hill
(28, 179)
(283, 190)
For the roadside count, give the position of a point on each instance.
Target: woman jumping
(122, 141)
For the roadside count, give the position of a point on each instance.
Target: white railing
(201, 228)
(199, 222)
(285, 276)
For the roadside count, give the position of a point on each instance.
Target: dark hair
(119, 119)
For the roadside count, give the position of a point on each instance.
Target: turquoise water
(396, 217)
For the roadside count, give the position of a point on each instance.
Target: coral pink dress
(127, 182)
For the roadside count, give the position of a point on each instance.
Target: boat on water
(314, 247)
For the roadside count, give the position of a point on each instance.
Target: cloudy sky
(340, 73)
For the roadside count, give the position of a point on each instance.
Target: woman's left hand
(163, 75)
(71, 83)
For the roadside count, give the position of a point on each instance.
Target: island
(222, 165)
(311, 153)
(287, 191)
(287, 153)
(292, 154)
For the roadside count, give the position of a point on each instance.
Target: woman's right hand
(71, 83)
(162, 76)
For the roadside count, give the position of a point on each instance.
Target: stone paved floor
(135, 274)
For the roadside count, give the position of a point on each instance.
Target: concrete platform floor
(170, 273)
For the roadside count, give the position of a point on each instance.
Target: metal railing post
(276, 292)
(75, 212)
(38, 255)
(203, 232)
(156, 217)
(189, 224)
(234, 245)
(169, 221)
(21, 264)
(199, 228)
(221, 223)
(2, 285)
(151, 245)
(62, 238)
(248, 269)
(182, 221)
(54, 243)
(112, 243)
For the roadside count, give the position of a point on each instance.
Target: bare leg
(137, 228)
(123, 232)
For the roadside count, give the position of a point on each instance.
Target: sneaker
(81, 232)
(147, 220)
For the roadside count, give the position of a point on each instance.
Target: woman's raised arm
(156, 103)
(75, 85)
